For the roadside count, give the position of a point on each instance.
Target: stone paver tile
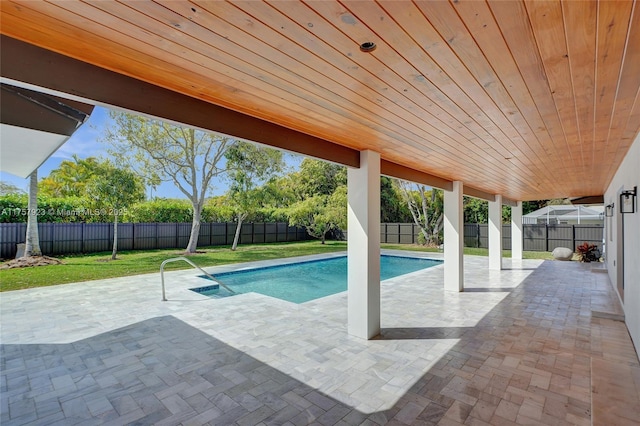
(248, 401)
(408, 413)
(530, 409)
(282, 417)
(507, 410)
(124, 404)
(22, 419)
(459, 411)
(99, 406)
(203, 417)
(229, 417)
(76, 408)
(199, 403)
(255, 416)
(47, 420)
(175, 404)
(472, 358)
(483, 410)
(307, 416)
(433, 413)
(127, 419)
(320, 400)
(333, 415)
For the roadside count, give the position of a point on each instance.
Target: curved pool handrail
(175, 259)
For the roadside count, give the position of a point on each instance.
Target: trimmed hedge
(13, 209)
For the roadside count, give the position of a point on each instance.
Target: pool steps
(176, 259)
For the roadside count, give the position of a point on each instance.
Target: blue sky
(85, 142)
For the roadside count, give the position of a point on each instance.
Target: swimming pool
(304, 281)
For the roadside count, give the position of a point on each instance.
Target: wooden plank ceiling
(531, 100)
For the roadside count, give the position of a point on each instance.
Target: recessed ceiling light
(368, 46)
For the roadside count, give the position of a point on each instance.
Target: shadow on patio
(527, 361)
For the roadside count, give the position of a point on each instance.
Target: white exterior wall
(627, 176)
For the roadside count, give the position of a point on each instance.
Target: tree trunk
(236, 238)
(323, 238)
(115, 237)
(195, 228)
(32, 246)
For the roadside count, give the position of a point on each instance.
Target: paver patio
(519, 346)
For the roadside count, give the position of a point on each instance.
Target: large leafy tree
(70, 179)
(159, 151)
(321, 213)
(319, 200)
(114, 190)
(317, 177)
(475, 210)
(392, 206)
(249, 166)
(427, 208)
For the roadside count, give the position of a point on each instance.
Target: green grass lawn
(99, 266)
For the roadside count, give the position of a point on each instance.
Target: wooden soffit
(530, 100)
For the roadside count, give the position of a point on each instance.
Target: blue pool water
(304, 281)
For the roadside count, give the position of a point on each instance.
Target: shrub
(13, 209)
(159, 211)
(588, 252)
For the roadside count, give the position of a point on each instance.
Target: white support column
(495, 233)
(363, 247)
(453, 239)
(516, 232)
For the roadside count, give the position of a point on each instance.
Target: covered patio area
(535, 343)
(503, 101)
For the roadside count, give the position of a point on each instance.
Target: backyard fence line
(71, 238)
(536, 237)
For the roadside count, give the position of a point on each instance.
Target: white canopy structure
(565, 214)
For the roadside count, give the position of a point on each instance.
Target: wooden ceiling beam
(591, 199)
(479, 92)
(394, 170)
(22, 62)
(398, 171)
(65, 76)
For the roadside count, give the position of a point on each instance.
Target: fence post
(176, 244)
(546, 237)
(477, 235)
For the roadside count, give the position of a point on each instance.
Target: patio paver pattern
(519, 346)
